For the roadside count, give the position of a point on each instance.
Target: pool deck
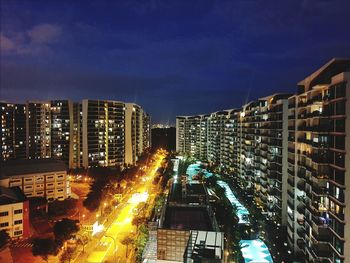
(253, 251)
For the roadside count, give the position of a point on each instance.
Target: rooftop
(187, 218)
(205, 245)
(11, 195)
(32, 166)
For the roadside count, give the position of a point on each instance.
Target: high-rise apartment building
(103, 124)
(264, 153)
(319, 165)
(66, 132)
(146, 133)
(13, 131)
(192, 134)
(137, 132)
(292, 151)
(38, 128)
(88, 134)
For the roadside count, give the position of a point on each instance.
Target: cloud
(30, 42)
(44, 33)
(6, 44)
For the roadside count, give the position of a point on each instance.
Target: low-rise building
(186, 213)
(37, 177)
(14, 212)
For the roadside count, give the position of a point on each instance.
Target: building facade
(38, 130)
(14, 212)
(319, 165)
(137, 132)
(13, 131)
(292, 152)
(37, 177)
(103, 124)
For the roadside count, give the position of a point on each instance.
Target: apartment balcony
(271, 190)
(315, 99)
(301, 185)
(301, 243)
(301, 221)
(320, 249)
(291, 161)
(320, 158)
(304, 140)
(301, 208)
(302, 174)
(321, 232)
(290, 181)
(290, 202)
(301, 198)
(301, 231)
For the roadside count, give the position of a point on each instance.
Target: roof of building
(32, 166)
(324, 74)
(187, 218)
(11, 195)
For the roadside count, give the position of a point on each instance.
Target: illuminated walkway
(241, 212)
(253, 251)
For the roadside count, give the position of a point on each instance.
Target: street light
(115, 247)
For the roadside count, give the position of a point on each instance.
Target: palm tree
(126, 241)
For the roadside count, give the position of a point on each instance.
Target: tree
(44, 247)
(65, 229)
(67, 255)
(211, 181)
(126, 241)
(138, 220)
(4, 237)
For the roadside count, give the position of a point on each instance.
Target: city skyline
(152, 51)
(201, 131)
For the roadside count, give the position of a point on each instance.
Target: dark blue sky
(172, 57)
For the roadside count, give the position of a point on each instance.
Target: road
(108, 247)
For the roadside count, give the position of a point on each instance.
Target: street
(107, 246)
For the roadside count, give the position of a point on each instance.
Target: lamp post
(115, 247)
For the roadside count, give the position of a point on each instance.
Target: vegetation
(67, 255)
(65, 229)
(59, 208)
(141, 242)
(44, 247)
(4, 237)
(127, 241)
(183, 165)
(104, 180)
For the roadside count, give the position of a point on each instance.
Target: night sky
(172, 57)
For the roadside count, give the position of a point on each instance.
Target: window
(17, 233)
(4, 213)
(18, 211)
(16, 222)
(5, 224)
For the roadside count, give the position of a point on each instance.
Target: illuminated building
(14, 212)
(103, 127)
(191, 135)
(38, 128)
(65, 130)
(291, 151)
(37, 177)
(12, 131)
(319, 165)
(137, 132)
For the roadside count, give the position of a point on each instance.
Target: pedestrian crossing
(21, 243)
